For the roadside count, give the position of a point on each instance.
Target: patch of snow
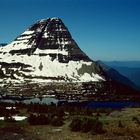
(9, 107)
(2, 118)
(16, 118)
(55, 18)
(87, 77)
(19, 118)
(50, 51)
(27, 32)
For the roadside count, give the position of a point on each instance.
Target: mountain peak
(49, 20)
(53, 18)
(45, 36)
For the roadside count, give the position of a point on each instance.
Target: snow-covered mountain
(45, 59)
(46, 52)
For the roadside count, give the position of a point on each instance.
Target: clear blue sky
(104, 29)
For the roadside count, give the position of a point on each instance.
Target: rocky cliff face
(46, 52)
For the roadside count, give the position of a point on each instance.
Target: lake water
(41, 101)
(109, 104)
(88, 104)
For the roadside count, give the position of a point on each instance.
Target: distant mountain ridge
(114, 74)
(129, 64)
(130, 69)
